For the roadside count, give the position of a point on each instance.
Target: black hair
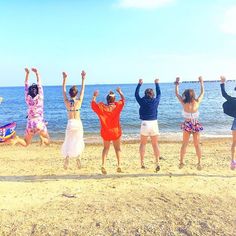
(33, 90)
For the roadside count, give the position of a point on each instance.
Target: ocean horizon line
(106, 84)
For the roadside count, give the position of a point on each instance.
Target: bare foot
(13, 141)
(181, 165)
(104, 172)
(199, 167)
(66, 162)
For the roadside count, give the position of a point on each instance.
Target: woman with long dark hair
(191, 124)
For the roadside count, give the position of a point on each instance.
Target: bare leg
(196, 141)
(23, 142)
(142, 147)
(44, 136)
(116, 144)
(233, 145)
(66, 163)
(156, 150)
(185, 141)
(106, 147)
(233, 158)
(155, 146)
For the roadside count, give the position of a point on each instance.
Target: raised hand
(119, 90)
(96, 93)
(140, 81)
(222, 79)
(156, 81)
(64, 75)
(35, 70)
(177, 81)
(26, 70)
(83, 74)
(200, 79)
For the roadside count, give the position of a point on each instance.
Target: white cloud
(229, 23)
(146, 4)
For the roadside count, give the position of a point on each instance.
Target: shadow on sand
(41, 178)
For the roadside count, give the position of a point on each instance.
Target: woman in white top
(73, 145)
(190, 125)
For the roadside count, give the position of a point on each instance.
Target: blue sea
(214, 121)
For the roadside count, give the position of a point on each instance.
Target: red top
(109, 116)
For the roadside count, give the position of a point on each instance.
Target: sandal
(104, 172)
(118, 170)
(157, 168)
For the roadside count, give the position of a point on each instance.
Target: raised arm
(138, 98)
(158, 91)
(177, 81)
(200, 97)
(39, 82)
(26, 76)
(81, 96)
(120, 93)
(94, 105)
(222, 86)
(64, 75)
(26, 82)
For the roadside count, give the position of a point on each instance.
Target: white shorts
(149, 128)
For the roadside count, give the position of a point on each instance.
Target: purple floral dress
(35, 121)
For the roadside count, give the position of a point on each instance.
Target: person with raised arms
(149, 126)
(34, 98)
(230, 109)
(191, 124)
(73, 145)
(109, 116)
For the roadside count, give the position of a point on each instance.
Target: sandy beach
(38, 197)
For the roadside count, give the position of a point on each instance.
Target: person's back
(109, 116)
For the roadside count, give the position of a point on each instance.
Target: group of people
(109, 116)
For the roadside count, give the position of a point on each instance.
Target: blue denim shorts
(234, 125)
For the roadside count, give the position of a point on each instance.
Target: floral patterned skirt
(191, 126)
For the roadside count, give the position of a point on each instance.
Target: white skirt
(73, 144)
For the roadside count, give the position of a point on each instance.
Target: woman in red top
(109, 116)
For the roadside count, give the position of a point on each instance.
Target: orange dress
(109, 116)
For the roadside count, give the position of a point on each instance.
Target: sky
(117, 41)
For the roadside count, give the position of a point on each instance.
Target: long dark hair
(33, 90)
(188, 96)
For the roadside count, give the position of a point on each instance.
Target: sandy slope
(38, 197)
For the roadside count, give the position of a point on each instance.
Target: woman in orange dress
(109, 116)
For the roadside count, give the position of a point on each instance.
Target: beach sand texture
(38, 197)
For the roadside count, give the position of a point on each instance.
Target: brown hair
(149, 93)
(73, 91)
(188, 96)
(110, 97)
